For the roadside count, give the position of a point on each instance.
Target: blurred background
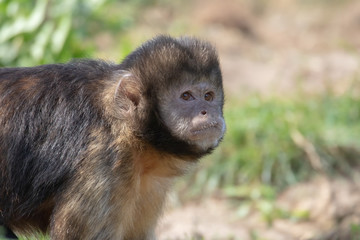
(288, 167)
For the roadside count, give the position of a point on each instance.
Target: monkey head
(174, 90)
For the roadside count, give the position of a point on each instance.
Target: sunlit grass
(280, 142)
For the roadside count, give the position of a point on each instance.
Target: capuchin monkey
(89, 149)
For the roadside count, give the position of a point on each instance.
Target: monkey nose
(203, 112)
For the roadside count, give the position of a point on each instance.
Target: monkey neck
(150, 161)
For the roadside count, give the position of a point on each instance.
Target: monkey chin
(206, 145)
(206, 137)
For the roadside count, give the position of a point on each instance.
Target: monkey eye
(187, 96)
(209, 96)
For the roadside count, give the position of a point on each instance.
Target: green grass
(280, 142)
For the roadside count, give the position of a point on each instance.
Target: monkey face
(193, 113)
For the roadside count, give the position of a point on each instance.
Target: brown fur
(88, 150)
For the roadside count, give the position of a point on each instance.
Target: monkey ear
(128, 88)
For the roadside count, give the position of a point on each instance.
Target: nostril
(203, 112)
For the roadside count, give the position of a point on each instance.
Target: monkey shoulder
(79, 70)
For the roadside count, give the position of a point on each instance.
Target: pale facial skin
(193, 113)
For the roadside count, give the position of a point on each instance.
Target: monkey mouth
(204, 128)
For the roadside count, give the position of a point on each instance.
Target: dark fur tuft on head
(163, 58)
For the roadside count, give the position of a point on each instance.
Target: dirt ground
(286, 48)
(332, 205)
(273, 47)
